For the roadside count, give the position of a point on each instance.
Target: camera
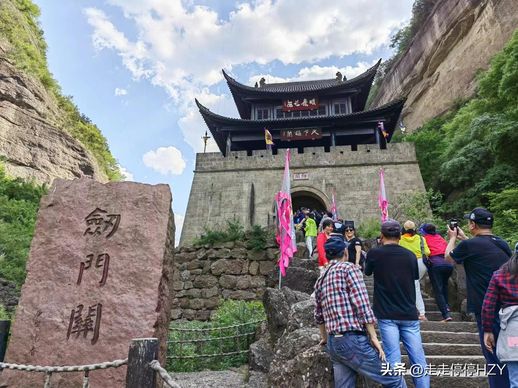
(453, 224)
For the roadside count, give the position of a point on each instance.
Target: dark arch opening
(307, 199)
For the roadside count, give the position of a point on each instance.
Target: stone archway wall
(233, 187)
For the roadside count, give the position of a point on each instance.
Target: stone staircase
(453, 344)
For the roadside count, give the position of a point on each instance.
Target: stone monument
(98, 275)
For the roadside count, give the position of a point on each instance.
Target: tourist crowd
(403, 256)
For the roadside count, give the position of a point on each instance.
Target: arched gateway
(336, 146)
(310, 198)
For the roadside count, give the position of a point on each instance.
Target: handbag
(426, 259)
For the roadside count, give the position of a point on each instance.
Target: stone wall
(204, 276)
(440, 66)
(242, 187)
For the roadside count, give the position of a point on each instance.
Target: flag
(381, 127)
(334, 211)
(382, 197)
(285, 226)
(268, 139)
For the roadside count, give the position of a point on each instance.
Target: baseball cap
(390, 227)
(409, 225)
(481, 216)
(335, 246)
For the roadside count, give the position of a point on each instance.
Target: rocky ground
(235, 378)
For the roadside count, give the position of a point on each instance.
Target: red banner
(301, 134)
(300, 104)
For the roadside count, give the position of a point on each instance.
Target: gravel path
(234, 378)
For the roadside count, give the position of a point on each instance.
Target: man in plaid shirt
(346, 321)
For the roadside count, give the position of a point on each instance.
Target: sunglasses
(349, 230)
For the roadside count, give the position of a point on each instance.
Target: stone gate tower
(337, 146)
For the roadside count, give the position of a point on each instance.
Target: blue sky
(134, 66)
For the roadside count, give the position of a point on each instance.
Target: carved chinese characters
(97, 277)
(85, 322)
(99, 223)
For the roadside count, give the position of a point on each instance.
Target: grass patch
(230, 312)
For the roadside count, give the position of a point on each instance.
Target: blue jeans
(512, 368)
(409, 332)
(352, 354)
(497, 381)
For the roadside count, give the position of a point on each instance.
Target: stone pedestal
(97, 277)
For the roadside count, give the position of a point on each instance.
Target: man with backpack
(481, 256)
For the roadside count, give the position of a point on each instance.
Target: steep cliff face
(31, 142)
(42, 133)
(439, 68)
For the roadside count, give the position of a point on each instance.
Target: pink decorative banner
(382, 197)
(285, 227)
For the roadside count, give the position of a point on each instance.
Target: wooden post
(141, 352)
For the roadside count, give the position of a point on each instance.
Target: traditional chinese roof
(249, 134)
(358, 87)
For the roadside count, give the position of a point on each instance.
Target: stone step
(437, 316)
(437, 360)
(454, 382)
(454, 326)
(444, 336)
(447, 349)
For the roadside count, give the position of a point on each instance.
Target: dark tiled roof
(301, 86)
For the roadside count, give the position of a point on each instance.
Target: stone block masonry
(242, 187)
(205, 276)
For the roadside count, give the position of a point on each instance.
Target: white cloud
(120, 92)
(126, 175)
(178, 223)
(182, 47)
(165, 160)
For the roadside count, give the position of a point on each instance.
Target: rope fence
(164, 375)
(49, 370)
(209, 343)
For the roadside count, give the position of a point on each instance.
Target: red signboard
(301, 134)
(300, 104)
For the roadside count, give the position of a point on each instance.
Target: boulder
(261, 355)
(301, 315)
(299, 361)
(300, 279)
(277, 305)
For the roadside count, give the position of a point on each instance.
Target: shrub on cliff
(256, 238)
(19, 202)
(28, 51)
(469, 155)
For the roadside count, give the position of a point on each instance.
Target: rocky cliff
(31, 142)
(457, 40)
(42, 133)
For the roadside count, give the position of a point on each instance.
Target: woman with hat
(417, 245)
(355, 244)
